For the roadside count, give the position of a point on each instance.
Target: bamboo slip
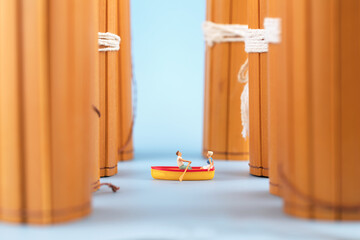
(96, 114)
(109, 140)
(126, 115)
(258, 96)
(320, 178)
(115, 88)
(47, 51)
(222, 116)
(278, 145)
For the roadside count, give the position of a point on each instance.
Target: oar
(182, 175)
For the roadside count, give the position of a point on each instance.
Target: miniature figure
(210, 161)
(180, 161)
(181, 165)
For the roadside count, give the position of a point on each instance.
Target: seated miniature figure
(210, 162)
(180, 161)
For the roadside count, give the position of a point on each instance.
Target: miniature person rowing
(180, 161)
(210, 162)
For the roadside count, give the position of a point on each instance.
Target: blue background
(168, 63)
(168, 57)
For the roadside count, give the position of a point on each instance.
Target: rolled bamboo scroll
(278, 148)
(222, 116)
(258, 94)
(320, 178)
(47, 51)
(115, 88)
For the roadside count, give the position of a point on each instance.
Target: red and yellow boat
(174, 173)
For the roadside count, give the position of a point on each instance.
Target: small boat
(173, 173)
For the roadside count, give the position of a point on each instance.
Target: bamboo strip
(108, 93)
(11, 147)
(126, 115)
(207, 73)
(258, 96)
(112, 88)
(36, 107)
(350, 61)
(95, 97)
(235, 141)
(222, 118)
(277, 93)
(48, 103)
(219, 86)
(103, 91)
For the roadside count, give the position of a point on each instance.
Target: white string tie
(243, 74)
(108, 42)
(255, 41)
(273, 30)
(218, 33)
(243, 77)
(245, 111)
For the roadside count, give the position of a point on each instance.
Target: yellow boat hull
(174, 173)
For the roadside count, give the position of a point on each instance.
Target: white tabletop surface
(234, 205)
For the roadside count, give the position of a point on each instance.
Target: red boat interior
(176, 169)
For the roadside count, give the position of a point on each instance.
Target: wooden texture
(95, 100)
(45, 109)
(108, 93)
(115, 88)
(126, 118)
(258, 96)
(222, 116)
(319, 179)
(276, 93)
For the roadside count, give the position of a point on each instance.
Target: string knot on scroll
(218, 33)
(243, 77)
(255, 41)
(108, 42)
(273, 30)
